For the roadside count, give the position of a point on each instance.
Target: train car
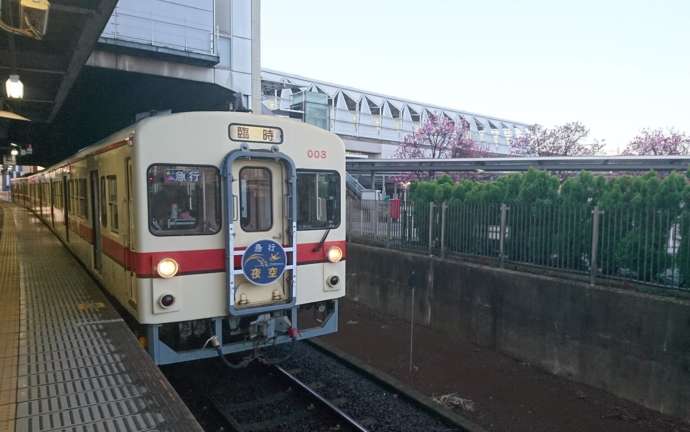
(218, 232)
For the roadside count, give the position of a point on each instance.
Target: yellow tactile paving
(68, 362)
(9, 322)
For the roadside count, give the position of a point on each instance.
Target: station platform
(68, 361)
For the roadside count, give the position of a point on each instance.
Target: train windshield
(319, 199)
(183, 200)
(256, 199)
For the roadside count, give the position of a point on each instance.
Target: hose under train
(257, 354)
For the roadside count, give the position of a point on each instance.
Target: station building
(371, 124)
(158, 56)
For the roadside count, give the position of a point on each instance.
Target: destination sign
(259, 134)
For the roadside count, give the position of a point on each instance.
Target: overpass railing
(637, 244)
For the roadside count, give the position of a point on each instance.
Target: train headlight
(334, 254)
(167, 268)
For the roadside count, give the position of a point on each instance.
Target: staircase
(355, 189)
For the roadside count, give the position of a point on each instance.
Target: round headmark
(263, 262)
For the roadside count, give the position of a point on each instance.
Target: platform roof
(510, 164)
(49, 67)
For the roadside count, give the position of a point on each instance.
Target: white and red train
(218, 232)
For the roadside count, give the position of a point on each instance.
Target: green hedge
(551, 220)
(540, 187)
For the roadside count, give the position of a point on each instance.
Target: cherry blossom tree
(657, 142)
(438, 138)
(564, 140)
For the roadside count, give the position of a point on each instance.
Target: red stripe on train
(213, 260)
(197, 261)
(193, 261)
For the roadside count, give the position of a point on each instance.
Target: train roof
(131, 130)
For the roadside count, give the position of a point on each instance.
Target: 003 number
(317, 154)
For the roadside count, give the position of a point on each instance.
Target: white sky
(617, 66)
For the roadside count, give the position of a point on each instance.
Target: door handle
(235, 207)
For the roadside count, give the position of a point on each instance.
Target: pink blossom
(564, 140)
(438, 137)
(657, 142)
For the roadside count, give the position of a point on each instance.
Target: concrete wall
(228, 29)
(186, 26)
(634, 345)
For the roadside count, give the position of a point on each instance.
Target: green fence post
(444, 207)
(431, 227)
(502, 234)
(596, 216)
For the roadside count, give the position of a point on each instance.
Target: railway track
(286, 403)
(311, 391)
(257, 398)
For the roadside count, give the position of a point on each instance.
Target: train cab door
(96, 221)
(262, 207)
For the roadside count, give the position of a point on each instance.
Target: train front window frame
(183, 200)
(313, 209)
(256, 199)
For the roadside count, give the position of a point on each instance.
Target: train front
(245, 232)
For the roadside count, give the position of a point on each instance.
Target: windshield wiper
(323, 240)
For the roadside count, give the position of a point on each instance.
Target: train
(217, 232)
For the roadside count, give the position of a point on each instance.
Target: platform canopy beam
(48, 67)
(594, 163)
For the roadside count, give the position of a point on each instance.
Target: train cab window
(256, 199)
(112, 203)
(183, 200)
(318, 206)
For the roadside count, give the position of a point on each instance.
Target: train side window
(56, 194)
(104, 205)
(81, 198)
(75, 198)
(183, 200)
(318, 206)
(72, 198)
(256, 199)
(112, 203)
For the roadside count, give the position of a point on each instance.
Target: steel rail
(340, 413)
(392, 384)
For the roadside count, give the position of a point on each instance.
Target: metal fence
(646, 245)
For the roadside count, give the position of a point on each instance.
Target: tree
(438, 138)
(564, 140)
(657, 142)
